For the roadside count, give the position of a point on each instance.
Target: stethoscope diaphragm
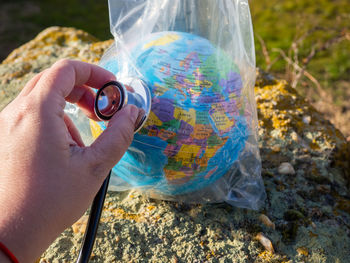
(115, 95)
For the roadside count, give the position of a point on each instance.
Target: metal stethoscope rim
(123, 99)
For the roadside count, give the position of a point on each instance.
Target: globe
(196, 127)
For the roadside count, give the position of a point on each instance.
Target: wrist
(4, 258)
(6, 255)
(20, 232)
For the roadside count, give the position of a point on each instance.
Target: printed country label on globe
(196, 128)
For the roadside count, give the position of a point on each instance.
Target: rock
(286, 168)
(310, 209)
(49, 46)
(303, 251)
(80, 225)
(307, 119)
(265, 242)
(266, 221)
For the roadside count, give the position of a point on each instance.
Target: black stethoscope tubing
(93, 222)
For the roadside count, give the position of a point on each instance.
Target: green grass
(279, 23)
(89, 15)
(23, 20)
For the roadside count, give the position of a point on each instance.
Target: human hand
(48, 178)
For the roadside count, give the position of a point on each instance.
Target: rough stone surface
(306, 217)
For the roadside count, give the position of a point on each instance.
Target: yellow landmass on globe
(210, 151)
(153, 120)
(187, 154)
(203, 83)
(195, 91)
(232, 96)
(186, 116)
(222, 122)
(159, 89)
(96, 130)
(164, 40)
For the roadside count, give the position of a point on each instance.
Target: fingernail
(140, 119)
(140, 115)
(134, 114)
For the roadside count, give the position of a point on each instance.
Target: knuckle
(26, 106)
(62, 62)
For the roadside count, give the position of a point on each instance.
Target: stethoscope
(111, 98)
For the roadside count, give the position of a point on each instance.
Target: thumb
(110, 146)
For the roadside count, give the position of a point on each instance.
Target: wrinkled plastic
(199, 143)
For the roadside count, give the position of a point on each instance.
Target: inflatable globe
(196, 127)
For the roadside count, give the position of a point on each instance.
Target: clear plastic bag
(199, 143)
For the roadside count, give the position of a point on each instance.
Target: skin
(48, 177)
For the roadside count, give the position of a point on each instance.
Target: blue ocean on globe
(196, 128)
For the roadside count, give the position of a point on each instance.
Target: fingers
(111, 145)
(84, 97)
(62, 78)
(129, 88)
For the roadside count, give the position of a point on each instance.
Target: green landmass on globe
(197, 125)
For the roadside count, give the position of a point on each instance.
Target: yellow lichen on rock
(303, 251)
(265, 242)
(62, 36)
(122, 214)
(75, 43)
(282, 112)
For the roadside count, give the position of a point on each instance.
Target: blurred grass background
(306, 42)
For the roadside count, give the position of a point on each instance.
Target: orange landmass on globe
(210, 151)
(201, 131)
(177, 177)
(166, 135)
